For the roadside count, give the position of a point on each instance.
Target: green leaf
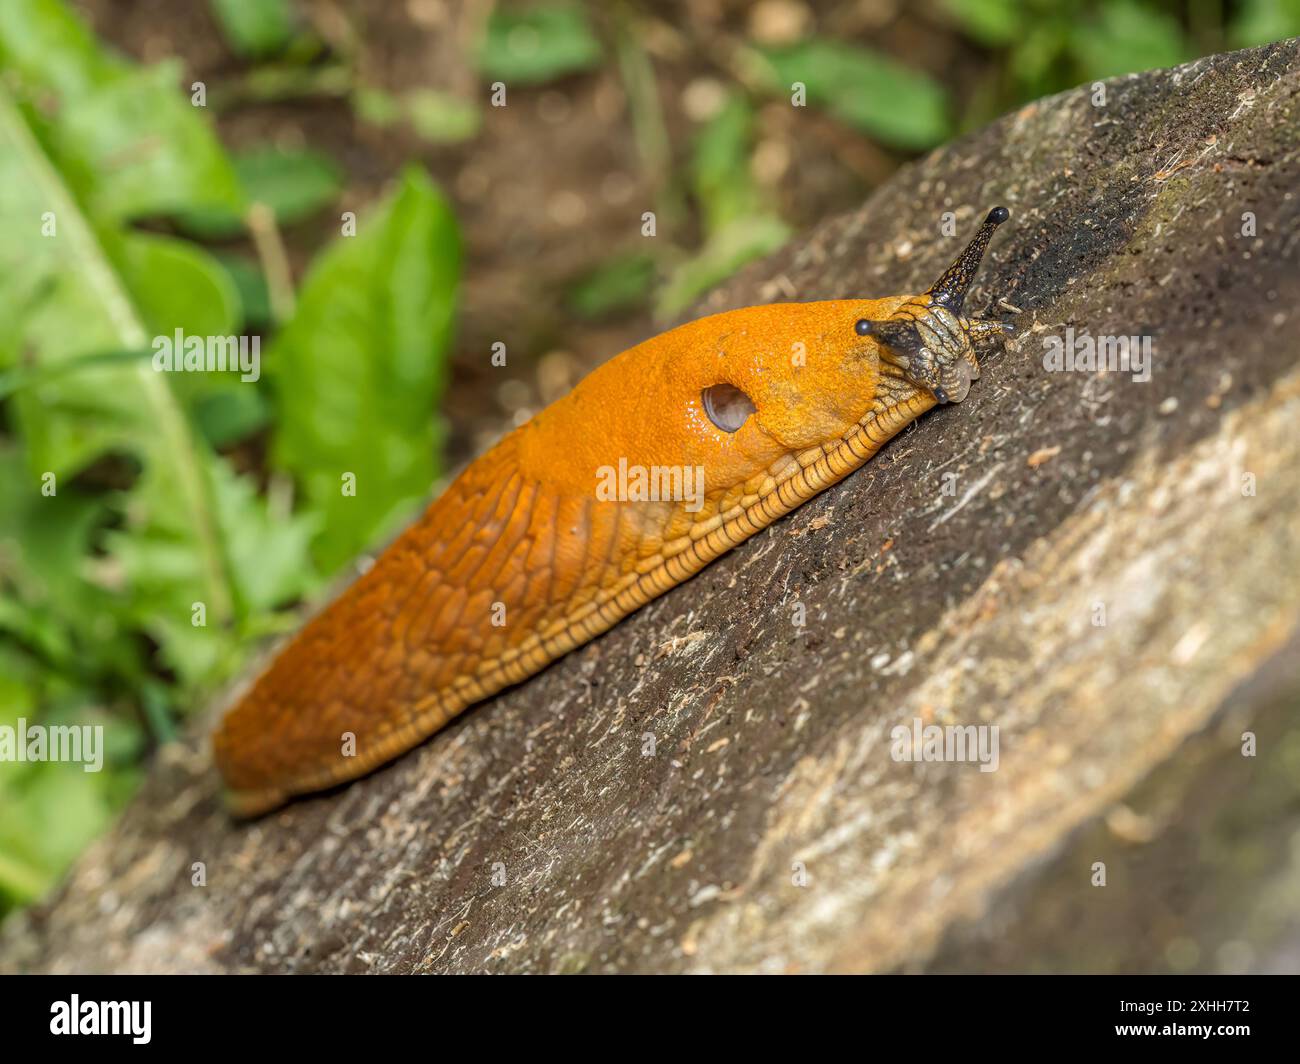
(263, 554)
(176, 285)
(53, 809)
(45, 601)
(739, 226)
(360, 367)
(726, 251)
(620, 284)
(294, 184)
(43, 43)
(266, 549)
(62, 299)
(250, 284)
(126, 139)
(375, 106)
(255, 28)
(1040, 56)
(440, 117)
(28, 376)
(1127, 38)
(991, 22)
(891, 102)
(80, 294)
(537, 44)
(231, 415)
(150, 152)
(43, 538)
(720, 166)
(1264, 21)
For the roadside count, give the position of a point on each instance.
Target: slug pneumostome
(528, 553)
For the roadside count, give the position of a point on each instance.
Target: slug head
(927, 342)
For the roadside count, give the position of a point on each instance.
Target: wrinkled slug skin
(412, 642)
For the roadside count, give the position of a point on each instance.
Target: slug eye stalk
(928, 340)
(950, 289)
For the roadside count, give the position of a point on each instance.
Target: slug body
(658, 462)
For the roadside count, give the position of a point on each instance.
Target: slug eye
(727, 406)
(862, 327)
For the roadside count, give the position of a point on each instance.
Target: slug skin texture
(524, 557)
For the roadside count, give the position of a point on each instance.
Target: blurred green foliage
(1021, 50)
(737, 223)
(532, 45)
(1263, 21)
(294, 184)
(437, 117)
(615, 286)
(118, 513)
(177, 489)
(354, 374)
(889, 101)
(1052, 45)
(256, 27)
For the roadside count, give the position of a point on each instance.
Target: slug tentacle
(982, 329)
(950, 289)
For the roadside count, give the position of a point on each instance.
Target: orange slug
(658, 462)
